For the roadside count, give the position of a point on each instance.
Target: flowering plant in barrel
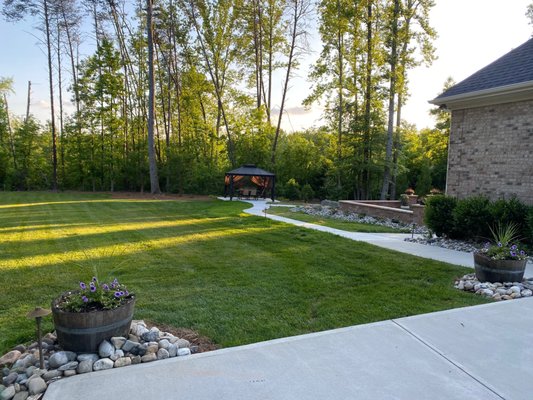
(503, 260)
(505, 245)
(94, 312)
(95, 295)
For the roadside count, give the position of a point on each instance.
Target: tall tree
(16, 10)
(154, 178)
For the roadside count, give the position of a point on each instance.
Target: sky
(471, 34)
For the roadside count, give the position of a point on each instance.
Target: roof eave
(498, 95)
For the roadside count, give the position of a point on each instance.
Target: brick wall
(491, 152)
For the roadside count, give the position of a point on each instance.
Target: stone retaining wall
(385, 209)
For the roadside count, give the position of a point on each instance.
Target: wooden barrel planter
(84, 331)
(489, 270)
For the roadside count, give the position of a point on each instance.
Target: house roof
(509, 75)
(250, 170)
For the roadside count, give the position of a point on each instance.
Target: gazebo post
(231, 187)
(273, 188)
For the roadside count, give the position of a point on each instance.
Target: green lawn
(207, 266)
(331, 222)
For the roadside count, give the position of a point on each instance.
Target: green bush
(511, 211)
(472, 218)
(438, 215)
(529, 221)
(307, 192)
(292, 190)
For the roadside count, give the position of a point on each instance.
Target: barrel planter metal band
(84, 331)
(489, 270)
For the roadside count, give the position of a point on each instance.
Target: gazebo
(249, 182)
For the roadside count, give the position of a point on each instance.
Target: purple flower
(94, 279)
(118, 294)
(514, 247)
(126, 293)
(500, 244)
(522, 253)
(513, 253)
(93, 287)
(83, 285)
(105, 287)
(85, 299)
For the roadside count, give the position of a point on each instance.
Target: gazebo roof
(250, 170)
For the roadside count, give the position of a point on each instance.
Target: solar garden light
(413, 231)
(38, 314)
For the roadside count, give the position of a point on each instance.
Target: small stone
(118, 342)
(30, 370)
(52, 374)
(105, 349)
(122, 362)
(70, 372)
(183, 343)
(497, 297)
(128, 345)
(10, 358)
(88, 356)
(515, 289)
(10, 379)
(36, 386)
(501, 291)
(150, 336)
(526, 293)
(69, 366)
(173, 350)
(8, 393)
(133, 338)
(21, 378)
(136, 360)
(102, 364)
(139, 330)
(506, 297)
(498, 284)
(469, 285)
(487, 292)
(162, 354)
(60, 358)
(85, 366)
(164, 344)
(116, 355)
(461, 285)
(515, 295)
(152, 348)
(194, 349)
(184, 351)
(149, 357)
(22, 395)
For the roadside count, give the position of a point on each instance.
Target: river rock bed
(451, 244)
(498, 290)
(330, 211)
(22, 378)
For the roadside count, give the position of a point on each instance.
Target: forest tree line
(213, 66)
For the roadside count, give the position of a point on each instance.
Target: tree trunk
(392, 96)
(51, 88)
(154, 179)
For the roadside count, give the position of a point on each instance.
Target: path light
(38, 314)
(413, 231)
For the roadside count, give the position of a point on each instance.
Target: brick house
(491, 139)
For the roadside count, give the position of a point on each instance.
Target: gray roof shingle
(512, 68)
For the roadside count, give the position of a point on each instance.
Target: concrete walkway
(392, 241)
(481, 352)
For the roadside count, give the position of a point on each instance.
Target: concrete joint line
(435, 350)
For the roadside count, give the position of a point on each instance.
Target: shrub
(292, 189)
(307, 192)
(472, 218)
(529, 221)
(438, 215)
(511, 211)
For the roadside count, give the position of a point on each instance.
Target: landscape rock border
(498, 290)
(22, 378)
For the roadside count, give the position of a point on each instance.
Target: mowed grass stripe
(207, 266)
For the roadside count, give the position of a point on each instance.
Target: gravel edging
(22, 378)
